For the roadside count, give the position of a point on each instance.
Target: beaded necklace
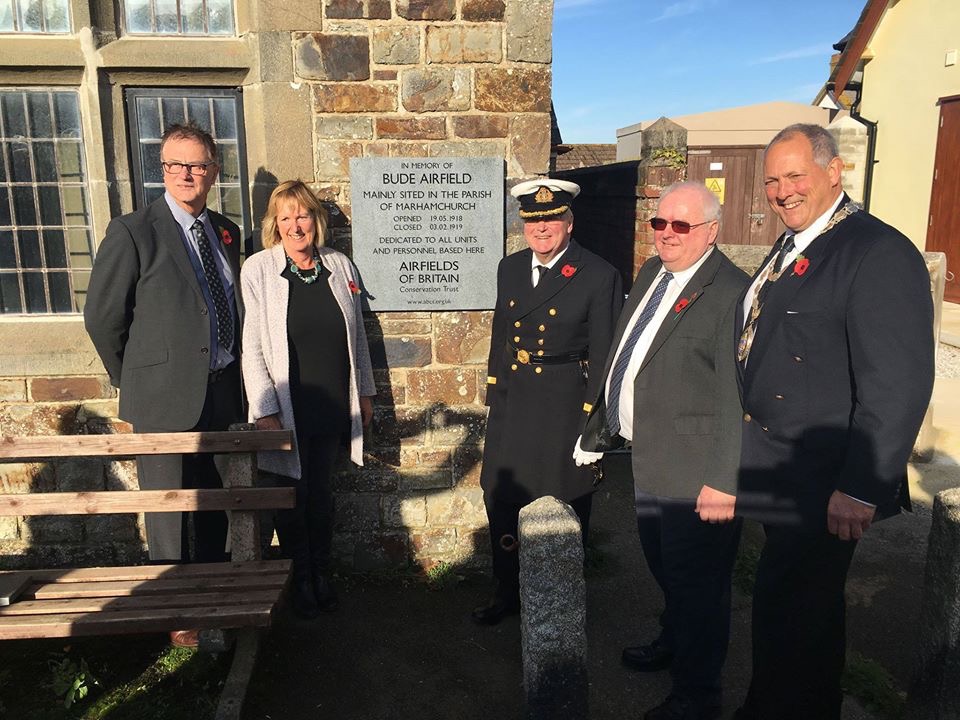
(302, 275)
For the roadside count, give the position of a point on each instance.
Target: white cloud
(679, 9)
(795, 54)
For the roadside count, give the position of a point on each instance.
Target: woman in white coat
(306, 368)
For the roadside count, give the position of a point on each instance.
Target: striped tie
(623, 359)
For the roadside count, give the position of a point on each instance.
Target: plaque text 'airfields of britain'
(428, 232)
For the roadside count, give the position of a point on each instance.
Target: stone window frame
(200, 7)
(61, 268)
(17, 9)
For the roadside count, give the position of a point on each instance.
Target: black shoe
(325, 594)
(303, 600)
(677, 707)
(647, 658)
(495, 611)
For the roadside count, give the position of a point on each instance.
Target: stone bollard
(935, 692)
(553, 611)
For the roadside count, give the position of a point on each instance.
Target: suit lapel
(648, 271)
(168, 234)
(780, 296)
(553, 281)
(692, 292)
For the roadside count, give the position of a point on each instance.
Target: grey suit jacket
(148, 320)
(686, 416)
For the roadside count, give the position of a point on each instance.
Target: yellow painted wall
(902, 84)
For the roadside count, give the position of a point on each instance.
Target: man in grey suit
(670, 391)
(163, 311)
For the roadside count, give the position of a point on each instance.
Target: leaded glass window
(34, 16)
(151, 111)
(178, 17)
(46, 249)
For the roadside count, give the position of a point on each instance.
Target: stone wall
(323, 81)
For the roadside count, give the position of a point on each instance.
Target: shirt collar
(682, 277)
(556, 258)
(184, 219)
(803, 238)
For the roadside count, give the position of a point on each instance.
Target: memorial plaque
(428, 232)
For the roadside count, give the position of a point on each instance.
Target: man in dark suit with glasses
(163, 310)
(670, 390)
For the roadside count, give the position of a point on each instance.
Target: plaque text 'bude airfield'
(428, 232)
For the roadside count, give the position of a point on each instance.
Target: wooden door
(746, 219)
(943, 225)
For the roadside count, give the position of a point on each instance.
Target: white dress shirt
(535, 263)
(801, 241)
(666, 309)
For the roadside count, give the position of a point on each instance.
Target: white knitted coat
(266, 357)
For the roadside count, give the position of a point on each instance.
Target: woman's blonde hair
(294, 192)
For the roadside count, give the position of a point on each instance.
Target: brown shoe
(185, 638)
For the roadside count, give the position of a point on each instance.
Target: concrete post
(935, 693)
(553, 612)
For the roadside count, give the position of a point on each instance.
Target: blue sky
(617, 62)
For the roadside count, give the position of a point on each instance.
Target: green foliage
(870, 683)
(671, 157)
(442, 575)
(69, 680)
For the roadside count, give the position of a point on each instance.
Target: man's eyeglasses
(175, 168)
(680, 227)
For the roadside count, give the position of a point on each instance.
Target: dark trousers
(306, 531)
(504, 520)
(799, 626)
(167, 533)
(692, 562)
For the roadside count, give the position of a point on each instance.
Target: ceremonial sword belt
(526, 357)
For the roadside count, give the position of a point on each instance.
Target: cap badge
(544, 195)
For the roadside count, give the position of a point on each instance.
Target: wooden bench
(75, 602)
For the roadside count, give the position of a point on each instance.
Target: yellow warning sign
(716, 186)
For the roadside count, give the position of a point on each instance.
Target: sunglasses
(681, 227)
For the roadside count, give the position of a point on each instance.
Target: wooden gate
(737, 172)
(943, 225)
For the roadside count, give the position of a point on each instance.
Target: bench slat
(123, 588)
(135, 501)
(149, 572)
(138, 602)
(133, 621)
(45, 447)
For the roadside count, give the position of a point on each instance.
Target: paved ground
(397, 650)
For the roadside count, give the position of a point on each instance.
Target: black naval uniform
(544, 340)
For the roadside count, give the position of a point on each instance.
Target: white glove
(582, 457)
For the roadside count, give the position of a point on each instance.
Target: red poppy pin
(225, 236)
(568, 271)
(681, 304)
(353, 287)
(801, 265)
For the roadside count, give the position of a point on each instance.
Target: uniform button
(516, 338)
(746, 417)
(538, 370)
(765, 429)
(553, 311)
(540, 352)
(513, 367)
(540, 341)
(778, 397)
(204, 351)
(517, 324)
(542, 328)
(512, 303)
(797, 358)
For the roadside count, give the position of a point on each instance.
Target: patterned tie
(541, 271)
(786, 249)
(623, 359)
(224, 317)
